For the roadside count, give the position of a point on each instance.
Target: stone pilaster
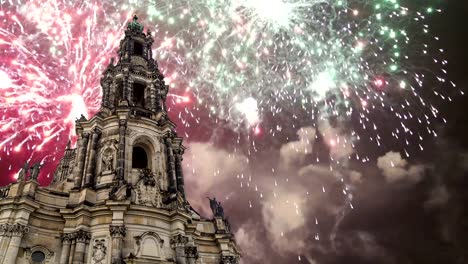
(152, 98)
(163, 97)
(191, 253)
(81, 160)
(171, 166)
(66, 246)
(179, 172)
(15, 232)
(117, 232)
(82, 238)
(112, 94)
(130, 91)
(91, 165)
(125, 88)
(178, 243)
(121, 154)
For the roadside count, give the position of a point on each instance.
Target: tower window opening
(119, 92)
(139, 158)
(139, 94)
(137, 48)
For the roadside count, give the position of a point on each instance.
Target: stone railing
(4, 191)
(141, 112)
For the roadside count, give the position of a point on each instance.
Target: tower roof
(135, 26)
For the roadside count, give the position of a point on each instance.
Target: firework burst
(238, 60)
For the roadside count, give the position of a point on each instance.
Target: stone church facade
(119, 196)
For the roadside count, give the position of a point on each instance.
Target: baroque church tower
(119, 197)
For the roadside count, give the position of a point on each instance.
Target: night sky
(286, 201)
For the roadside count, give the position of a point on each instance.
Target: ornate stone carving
(82, 236)
(99, 251)
(178, 241)
(120, 191)
(28, 254)
(147, 176)
(4, 191)
(13, 229)
(118, 230)
(229, 260)
(107, 162)
(191, 252)
(148, 191)
(67, 237)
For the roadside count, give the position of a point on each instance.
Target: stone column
(117, 232)
(81, 159)
(179, 172)
(171, 166)
(191, 254)
(121, 154)
(16, 232)
(82, 238)
(66, 245)
(91, 165)
(178, 243)
(72, 250)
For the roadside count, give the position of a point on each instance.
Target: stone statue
(216, 207)
(107, 160)
(35, 171)
(22, 173)
(82, 118)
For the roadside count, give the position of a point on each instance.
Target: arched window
(139, 158)
(137, 48)
(139, 94)
(38, 257)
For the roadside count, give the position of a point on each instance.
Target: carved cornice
(13, 229)
(178, 241)
(118, 230)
